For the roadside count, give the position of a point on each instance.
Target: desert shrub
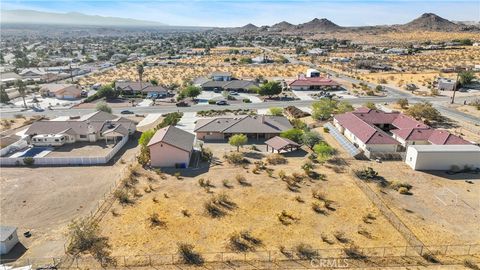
(122, 196)
(362, 231)
(286, 218)
(242, 180)
(402, 188)
(185, 213)
(470, 264)
(219, 206)
(275, 159)
(205, 183)
(243, 242)
(28, 161)
(282, 174)
(84, 236)
(188, 255)
(319, 209)
(368, 218)
(206, 154)
(178, 175)
(326, 239)
(226, 183)
(306, 252)
(235, 158)
(353, 252)
(155, 221)
(299, 199)
(246, 100)
(340, 236)
(430, 257)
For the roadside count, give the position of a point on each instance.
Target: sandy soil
(258, 208)
(44, 200)
(433, 222)
(82, 149)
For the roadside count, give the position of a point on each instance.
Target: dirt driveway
(44, 200)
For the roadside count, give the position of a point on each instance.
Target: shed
(281, 144)
(171, 147)
(442, 157)
(8, 239)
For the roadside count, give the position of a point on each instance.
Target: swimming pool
(34, 152)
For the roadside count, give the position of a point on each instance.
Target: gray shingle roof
(246, 124)
(175, 137)
(6, 231)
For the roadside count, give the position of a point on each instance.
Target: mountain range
(70, 18)
(426, 22)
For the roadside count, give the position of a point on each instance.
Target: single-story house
(145, 88)
(255, 127)
(61, 91)
(9, 78)
(445, 84)
(313, 73)
(313, 83)
(8, 239)
(221, 76)
(171, 147)
(233, 85)
(91, 128)
(389, 132)
(443, 157)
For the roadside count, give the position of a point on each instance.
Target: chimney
(263, 118)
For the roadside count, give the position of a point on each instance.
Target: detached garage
(442, 157)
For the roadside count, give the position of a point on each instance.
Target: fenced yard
(66, 160)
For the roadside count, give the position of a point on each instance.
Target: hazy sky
(266, 12)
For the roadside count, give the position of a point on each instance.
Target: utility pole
(454, 89)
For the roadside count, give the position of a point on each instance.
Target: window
(83, 136)
(56, 140)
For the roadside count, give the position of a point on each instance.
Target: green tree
(424, 111)
(154, 82)
(323, 109)
(344, 106)
(238, 140)
(3, 96)
(22, 90)
(270, 88)
(370, 105)
(311, 138)
(246, 60)
(144, 156)
(277, 111)
(191, 91)
(103, 106)
(466, 77)
(323, 150)
(293, 134)
(403, 103)
(107, 91)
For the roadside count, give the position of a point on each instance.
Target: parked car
(182, 104)
(234, 93)
(126, 112)
(217, 90)
(37, 109)
(221, 102)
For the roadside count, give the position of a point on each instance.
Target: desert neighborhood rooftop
(171, 147)
(258, 126)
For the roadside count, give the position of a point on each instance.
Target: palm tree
(140, 75)
(21, 87)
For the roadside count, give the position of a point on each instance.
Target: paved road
(438, 102)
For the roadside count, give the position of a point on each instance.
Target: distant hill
(249, 27)
(431, 22)
(71, 18)
(323, 25)
(426, 22)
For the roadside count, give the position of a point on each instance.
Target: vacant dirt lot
(44, 200)
(258, 207)
(99, 148)
(434, 222)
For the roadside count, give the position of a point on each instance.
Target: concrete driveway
(253, 98)
(187, 122)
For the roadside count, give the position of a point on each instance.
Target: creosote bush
(276, 159)
(244, 241)
(306, 252)
(188, 255)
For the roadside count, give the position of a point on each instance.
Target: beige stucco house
(61, 91)
(171, 147)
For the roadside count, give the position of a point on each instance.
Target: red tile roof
(362, 124)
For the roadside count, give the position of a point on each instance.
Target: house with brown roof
(313, 83)
(90, 128)
(379, 131)
(253, 126)
(171, 147)
(61, 91)
(144, 88)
